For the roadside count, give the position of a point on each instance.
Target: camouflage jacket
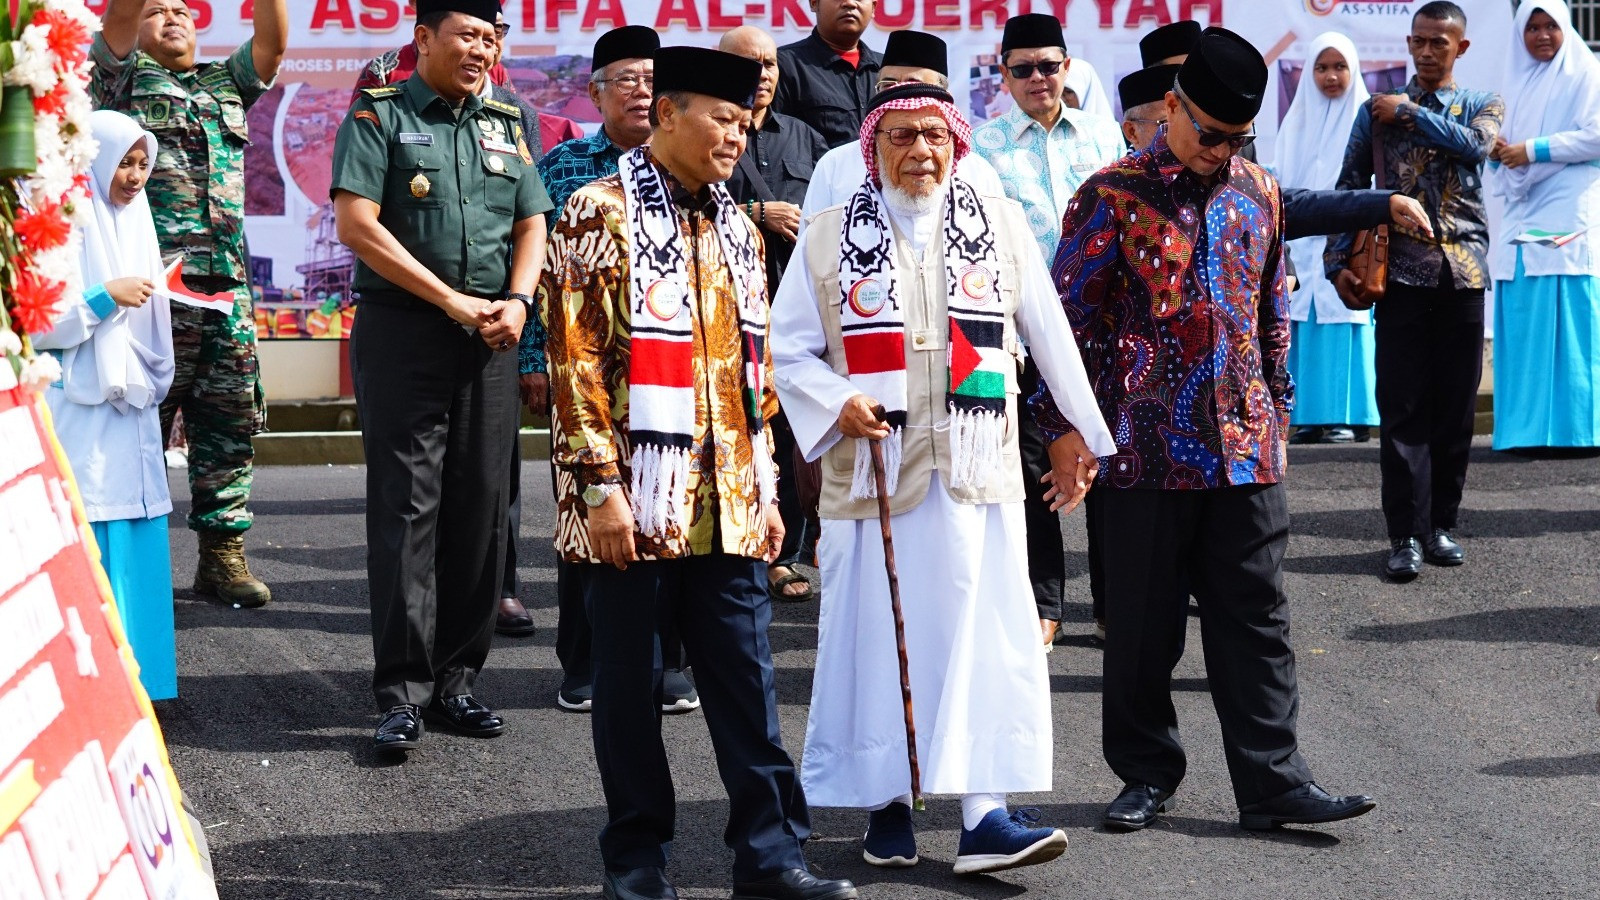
(197, 184)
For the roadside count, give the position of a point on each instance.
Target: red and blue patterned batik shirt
(1175, 286)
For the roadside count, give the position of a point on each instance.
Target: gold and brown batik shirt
(584, 290)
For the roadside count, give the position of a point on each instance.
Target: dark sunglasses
(1209, 138)
(1047, 68)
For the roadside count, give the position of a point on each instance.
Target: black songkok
(917, 50)
(1032, 30)
(1177, 39)
(701, 70)
(1146, 85)
(627, 42)
(908, 90)
(482, 9)
(1225, 77)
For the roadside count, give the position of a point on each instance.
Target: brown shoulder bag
(1369, 253)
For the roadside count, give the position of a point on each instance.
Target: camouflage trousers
(216, 382)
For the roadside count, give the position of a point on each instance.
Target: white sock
(975, 806)
(903, 798)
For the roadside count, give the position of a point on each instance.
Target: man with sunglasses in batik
(1171, 270)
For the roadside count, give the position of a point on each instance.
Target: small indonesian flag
(174, 289)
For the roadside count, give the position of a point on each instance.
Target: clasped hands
(498, 322)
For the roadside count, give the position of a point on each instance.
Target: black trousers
(1092, 531)
(719, 604)
(1225, 547)
(437, 414)
(508, 582)
(794, 517)
(1429, 363)
(1047, 562)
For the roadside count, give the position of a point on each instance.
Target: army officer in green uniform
(444, 212)
(144, 66)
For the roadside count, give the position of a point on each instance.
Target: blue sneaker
(1004, 841)
(890, 841)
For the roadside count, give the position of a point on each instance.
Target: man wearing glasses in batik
(1171, 270)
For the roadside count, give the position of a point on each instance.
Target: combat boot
(224, 574)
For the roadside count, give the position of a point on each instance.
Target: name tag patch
(413, 137)
(494, 146)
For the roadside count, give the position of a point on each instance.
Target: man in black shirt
(826, 79)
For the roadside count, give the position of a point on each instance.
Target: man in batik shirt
(655, 290)
(1435, 138)
(1171, 272)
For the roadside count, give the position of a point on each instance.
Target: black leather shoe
(1136, 807)
(400, 730)
(1405, 559)
(466, 715)
(1442, 549)
(794, 884)
(511, 618)
(1305, 805)
(638, 884)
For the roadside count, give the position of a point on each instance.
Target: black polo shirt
(817, 86)
(776, 165)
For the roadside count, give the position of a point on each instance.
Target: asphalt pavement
(1465, 702)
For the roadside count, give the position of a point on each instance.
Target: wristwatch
(527, 301)
(596, 495)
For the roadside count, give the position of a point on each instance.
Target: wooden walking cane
(881, 481)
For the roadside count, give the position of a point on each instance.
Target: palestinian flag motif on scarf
(874, 334)
(661, 383)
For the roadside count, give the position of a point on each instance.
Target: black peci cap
(627, 42)
(1225, 76)
(1177, 39)
(1031, 30)
(482, 9)
(916, 49)
(1146, 85)
(701, 70)
(909, 90)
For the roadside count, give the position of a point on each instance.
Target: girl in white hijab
(1083, 82)
(115, 345)
(1546, 166)
(1331, 354)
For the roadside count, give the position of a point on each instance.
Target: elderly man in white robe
(899, 321)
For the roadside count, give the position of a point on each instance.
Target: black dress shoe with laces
(466, 715)
(400, 729)
(794, 884)
(1405, 559)
(638, 884)
(1442, 549)
(1136, 807)
(1305, 805)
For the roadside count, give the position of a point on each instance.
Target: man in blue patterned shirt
(1042, 149)
(1434, 139)
(1171, 272)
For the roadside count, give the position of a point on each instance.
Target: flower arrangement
(45, 153)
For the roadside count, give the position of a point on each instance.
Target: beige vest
(921, 290)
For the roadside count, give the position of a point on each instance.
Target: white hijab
(1545, 98)
(1313, 134)
(1083, 80)
(131, 348)
(1310, 151)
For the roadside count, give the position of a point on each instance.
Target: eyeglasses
(905, 137)
(1147, 121)
(1210, 138)
(501, 30)
(627, 84)
(1046, 68)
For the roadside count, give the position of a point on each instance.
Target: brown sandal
(776, 587)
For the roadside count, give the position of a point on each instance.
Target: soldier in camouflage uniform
(144, 66)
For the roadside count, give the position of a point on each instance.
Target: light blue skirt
(1546, 341)
(139, 566)
(1335, 373)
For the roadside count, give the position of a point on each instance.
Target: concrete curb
(343, 448)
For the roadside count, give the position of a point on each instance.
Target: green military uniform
(196, 192)
(438, 408)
